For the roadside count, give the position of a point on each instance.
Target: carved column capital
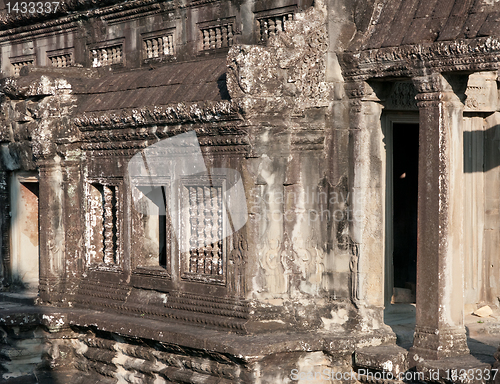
(432, 83)
(360, 89)
(436, 88)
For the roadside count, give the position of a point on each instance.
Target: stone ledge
(441, 371)
(245, 347)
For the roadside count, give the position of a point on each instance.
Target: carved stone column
(74, 217)
(51, 214)
(439, 331)
(5, 274)
(366, 152)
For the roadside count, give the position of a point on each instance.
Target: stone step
(16, 352)
(388, 358)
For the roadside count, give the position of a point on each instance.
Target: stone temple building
(219, 191)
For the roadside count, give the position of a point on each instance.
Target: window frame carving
(170, 252)
(214, 24)
(70, 51)
(105, 45)
(164, 33)
(28, 59)
(116, 213)
(185, 257)
(271, 13)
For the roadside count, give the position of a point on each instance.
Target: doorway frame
(16, 180)
(388, 121)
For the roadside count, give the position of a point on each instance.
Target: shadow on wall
(222, 85)
(481, 150)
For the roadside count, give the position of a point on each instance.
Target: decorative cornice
(205, 112)
(72, 11)
(414, 60)
(197, 3)
(71, 8)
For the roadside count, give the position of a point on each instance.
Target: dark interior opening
(33, 187)
(162, 220)
(405, 198)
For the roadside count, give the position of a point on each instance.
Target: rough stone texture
(299, 100)
(483, 311)
(391, 358)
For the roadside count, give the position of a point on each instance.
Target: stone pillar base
(437, 344)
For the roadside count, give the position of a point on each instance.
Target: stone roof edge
(466, 55)
(180, 113)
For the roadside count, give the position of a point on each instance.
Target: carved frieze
(402, 97)
(412, 60)
(172, 114)
(482, 92)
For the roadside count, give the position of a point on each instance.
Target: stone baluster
(224, 36)
(212, 38)
(193, 243)
(171, 49)
(104, 57)
(230, 34)
(218, 37)
(272, 26)
(214, 230)
(206, 39)
(207, 228)
(155, 48)
(199, 229)
(160, 46)
(109, 225)
(95, 61)
(220, 232)
(165, 45)
(119, 54)
(263, 30)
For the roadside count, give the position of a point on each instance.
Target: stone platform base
(49, 345)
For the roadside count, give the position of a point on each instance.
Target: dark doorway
(405, 198)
